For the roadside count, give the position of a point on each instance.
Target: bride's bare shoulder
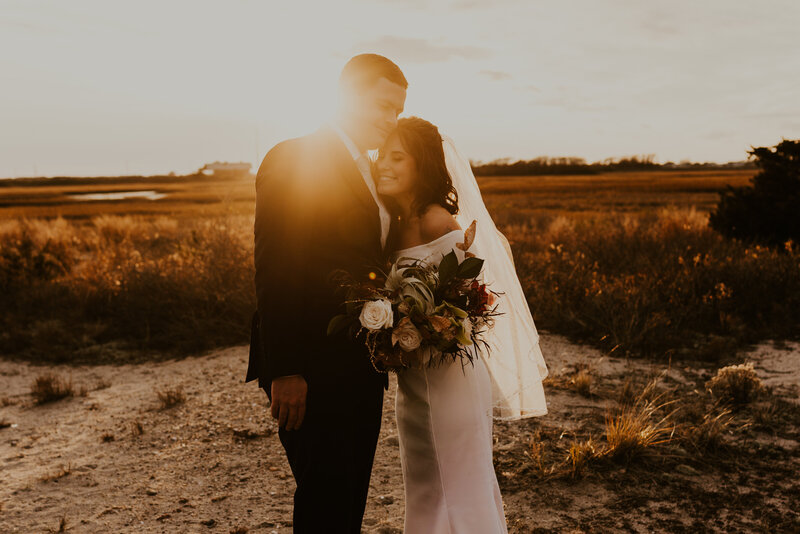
(436, 222)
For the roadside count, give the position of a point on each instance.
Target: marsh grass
(169, 397)
(637, 428)
(656, 285)
(49, 387)
(602, 260)
(581, 454)
(163, 284)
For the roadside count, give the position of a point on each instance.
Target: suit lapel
(343, 162)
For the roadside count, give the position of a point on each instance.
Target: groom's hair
(364, 70)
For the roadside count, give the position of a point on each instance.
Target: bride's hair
(422, 141)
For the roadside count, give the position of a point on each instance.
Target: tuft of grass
(61, 473)
(536, 452)
(708, 435)
(737, 384)
(581, 454)
(579, 380)
(102, 384)
(774, 414)
(107, 437)
(136, 428)
(582, 383)
(626, 394)
(170, 397)
(62, 525)
(50, 387)
(636, 429)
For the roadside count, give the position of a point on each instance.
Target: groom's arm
(283, 237)
(282, 240)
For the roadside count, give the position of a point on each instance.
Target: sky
(106, 87)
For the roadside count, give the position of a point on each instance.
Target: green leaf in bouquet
(448, 267)
(454, 311)
(338, 323)
(462, 337)
(470, 268)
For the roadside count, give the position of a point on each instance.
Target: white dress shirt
(363, 165)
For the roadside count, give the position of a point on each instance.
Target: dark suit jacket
(314, 215)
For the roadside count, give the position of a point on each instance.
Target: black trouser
(331, 456)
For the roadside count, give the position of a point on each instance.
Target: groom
(317, 211)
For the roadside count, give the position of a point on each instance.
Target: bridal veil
(515, 362)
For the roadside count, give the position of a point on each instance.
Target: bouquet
(419, 313)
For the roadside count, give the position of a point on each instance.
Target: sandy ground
(115, 461)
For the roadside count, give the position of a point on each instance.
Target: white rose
(376, 314)
(406, 335)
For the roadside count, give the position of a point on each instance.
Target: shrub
(49, 387)
(581, 455)
(175, 286)
(655, 285)
(738, 384)
(171, 397)
(634, 430)
(768, 211)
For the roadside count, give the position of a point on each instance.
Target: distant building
(223, 169)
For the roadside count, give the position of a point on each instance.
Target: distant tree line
(571, 165)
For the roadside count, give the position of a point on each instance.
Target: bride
(444, 412)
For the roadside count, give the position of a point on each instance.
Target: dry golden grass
(519, 197)
(49, 387)
(636, 429)
(624, 261)
(169, 397)
(582, 383)
(536, 452)
(581, 454)
(62, 525)
(137, 429)
(709, 434)
(74, 287)
(61, 473)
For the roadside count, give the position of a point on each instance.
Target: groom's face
(372, 113)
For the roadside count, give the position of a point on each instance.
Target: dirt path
(115, 461)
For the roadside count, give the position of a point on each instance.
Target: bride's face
(397, 171)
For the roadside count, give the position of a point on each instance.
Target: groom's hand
(289, 401)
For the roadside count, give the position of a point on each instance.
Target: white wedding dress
(444, 421)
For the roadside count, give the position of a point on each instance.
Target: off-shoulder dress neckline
(428, 244)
